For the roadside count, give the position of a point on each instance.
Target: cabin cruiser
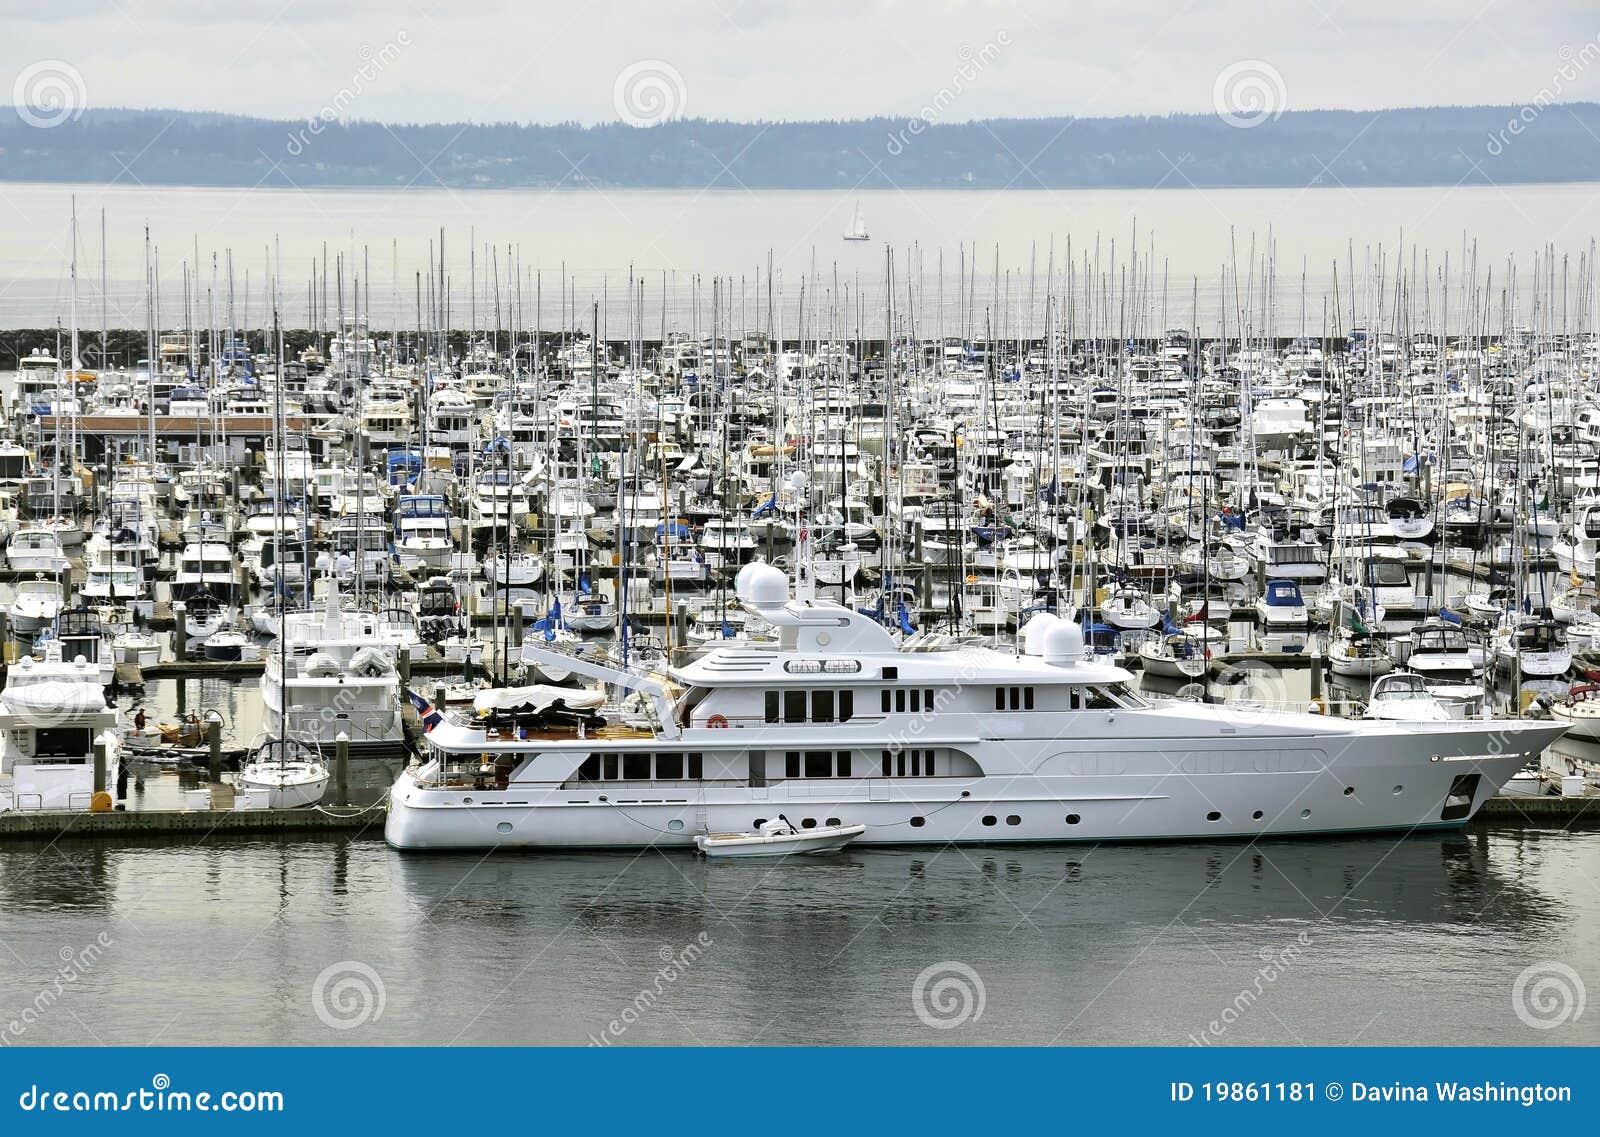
(35, 605)
(334, 674)
(36, 549)
(1403, 696)
(53, 720)
(1440, 651)
(1045, 745)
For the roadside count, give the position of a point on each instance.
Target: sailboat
(858, 227)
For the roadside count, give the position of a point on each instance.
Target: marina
(1046, 565)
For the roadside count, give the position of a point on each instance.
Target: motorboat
(778, 838)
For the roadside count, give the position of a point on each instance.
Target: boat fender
(1319, 706)
(717, 722)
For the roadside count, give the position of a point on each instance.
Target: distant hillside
(1437, 146)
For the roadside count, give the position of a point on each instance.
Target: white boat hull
(1277, 775)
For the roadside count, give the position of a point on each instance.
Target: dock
(366, 823)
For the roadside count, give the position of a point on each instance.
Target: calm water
(602, 235)
(1418, 940)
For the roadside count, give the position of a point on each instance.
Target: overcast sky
(544, 61)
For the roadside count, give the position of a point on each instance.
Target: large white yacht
(341, 677)
(53, 714)
(834, 724)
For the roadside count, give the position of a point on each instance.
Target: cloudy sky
(553, 60)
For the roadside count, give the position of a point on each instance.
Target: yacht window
(1027, 698)
(999, 698)
(772, 706)
(794, 706)
(891, 673)
(819, 763)
(900, 765)
(842, 764)
(590, 770)
(886, 698)
(916, 763)
(822, 706)
(900, 700)
(927, 698)
(669, 766)
(1099, 699)
(636, 767)
(791, 764)
(609, 762)
(847, 705)
(696, 767)
(916, 700)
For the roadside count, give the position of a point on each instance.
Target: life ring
(717, 722)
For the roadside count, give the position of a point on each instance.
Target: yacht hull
(1360, 778)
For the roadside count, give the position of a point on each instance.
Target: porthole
(1213, 816)
(808, 823)
(466, 801)
(1305, 815)
(1398, 790)
(831, 822)
(1073, 819)
(988, 819)
(1013, 819)
(1349, 790)
(504, 827)
(918, 822)
(1256, 816)
(675, 825)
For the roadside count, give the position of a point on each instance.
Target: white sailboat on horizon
(858, 227)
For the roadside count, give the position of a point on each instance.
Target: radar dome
(1033, 632)
(761, 585)
(1062, 643)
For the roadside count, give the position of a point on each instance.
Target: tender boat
(778, 838)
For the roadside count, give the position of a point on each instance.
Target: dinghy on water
(779, 839)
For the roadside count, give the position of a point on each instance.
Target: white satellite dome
(1034, 631)
(1062, 643)
(761, 585)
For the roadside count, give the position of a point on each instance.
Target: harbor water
(1384, 940)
